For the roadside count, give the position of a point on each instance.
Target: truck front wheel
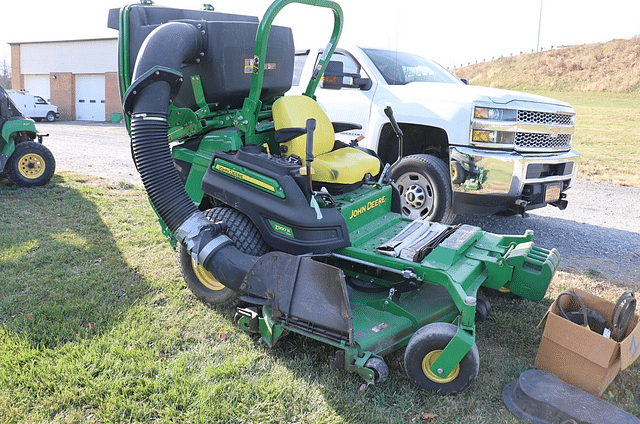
(51, 116)
(425, 188)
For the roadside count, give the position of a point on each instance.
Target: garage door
(90, 98)
(38, 85)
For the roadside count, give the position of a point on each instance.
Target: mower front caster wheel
(425, 347)
(380, 369)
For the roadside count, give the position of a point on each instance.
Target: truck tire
(425, 188)
(245, 237)
(51, 117)
(30, 165)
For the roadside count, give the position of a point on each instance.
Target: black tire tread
(23, 148)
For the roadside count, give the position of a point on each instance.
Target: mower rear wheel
(30, 165)
(245, 237)
(425, 347)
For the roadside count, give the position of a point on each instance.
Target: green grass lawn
(96, 325)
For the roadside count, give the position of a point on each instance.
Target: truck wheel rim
(31, 166)
(417, 195)
(428, 360)
(206, 278)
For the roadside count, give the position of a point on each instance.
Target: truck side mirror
(335, 78)
(465, 81)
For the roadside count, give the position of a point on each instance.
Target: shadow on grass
(62, 277)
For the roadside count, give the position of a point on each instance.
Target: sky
(451, 32)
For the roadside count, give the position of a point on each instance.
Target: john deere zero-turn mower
(23, 157)
(269, 213)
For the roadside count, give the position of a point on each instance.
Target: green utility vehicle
(303, 234)
(25, 161)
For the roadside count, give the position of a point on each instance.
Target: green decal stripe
(245, 175)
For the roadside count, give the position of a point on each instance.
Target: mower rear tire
(423, 349)
(245, 237)
(30, 165)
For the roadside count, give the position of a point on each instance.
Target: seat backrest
(293, 111)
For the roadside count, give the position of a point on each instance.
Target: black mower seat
(345, 165)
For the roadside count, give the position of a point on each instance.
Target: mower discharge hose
(148, 99)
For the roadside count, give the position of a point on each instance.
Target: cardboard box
(582, 357)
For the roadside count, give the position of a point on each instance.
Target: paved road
(599, 232)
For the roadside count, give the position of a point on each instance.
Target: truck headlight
(493, 137)
(495, 114)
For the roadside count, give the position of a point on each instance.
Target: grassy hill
(603, 67)
(601, 81)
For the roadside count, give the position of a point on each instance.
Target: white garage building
(78, 76)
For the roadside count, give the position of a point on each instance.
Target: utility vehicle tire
(380, 369)
(51, 117)
(30, 165)
(424, 348)
(458, 174)
(245, 237)
(424, 183)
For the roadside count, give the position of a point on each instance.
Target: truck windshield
(400, 68)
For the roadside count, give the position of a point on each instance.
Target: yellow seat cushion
(344, 166)
(293, 112)
(341, 166)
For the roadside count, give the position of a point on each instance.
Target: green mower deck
(383, 300)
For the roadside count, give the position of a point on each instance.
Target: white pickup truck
(34, 107)
(466, 149)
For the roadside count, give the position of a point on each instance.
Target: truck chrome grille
(542, 141)
(544, 117)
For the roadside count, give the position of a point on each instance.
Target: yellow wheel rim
(503, 289)
(31, 166)
(428, 360)
(454, 173)
(207, 279)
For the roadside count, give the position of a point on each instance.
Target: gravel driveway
(598, 233)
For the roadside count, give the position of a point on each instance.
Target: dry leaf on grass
(424, 417)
